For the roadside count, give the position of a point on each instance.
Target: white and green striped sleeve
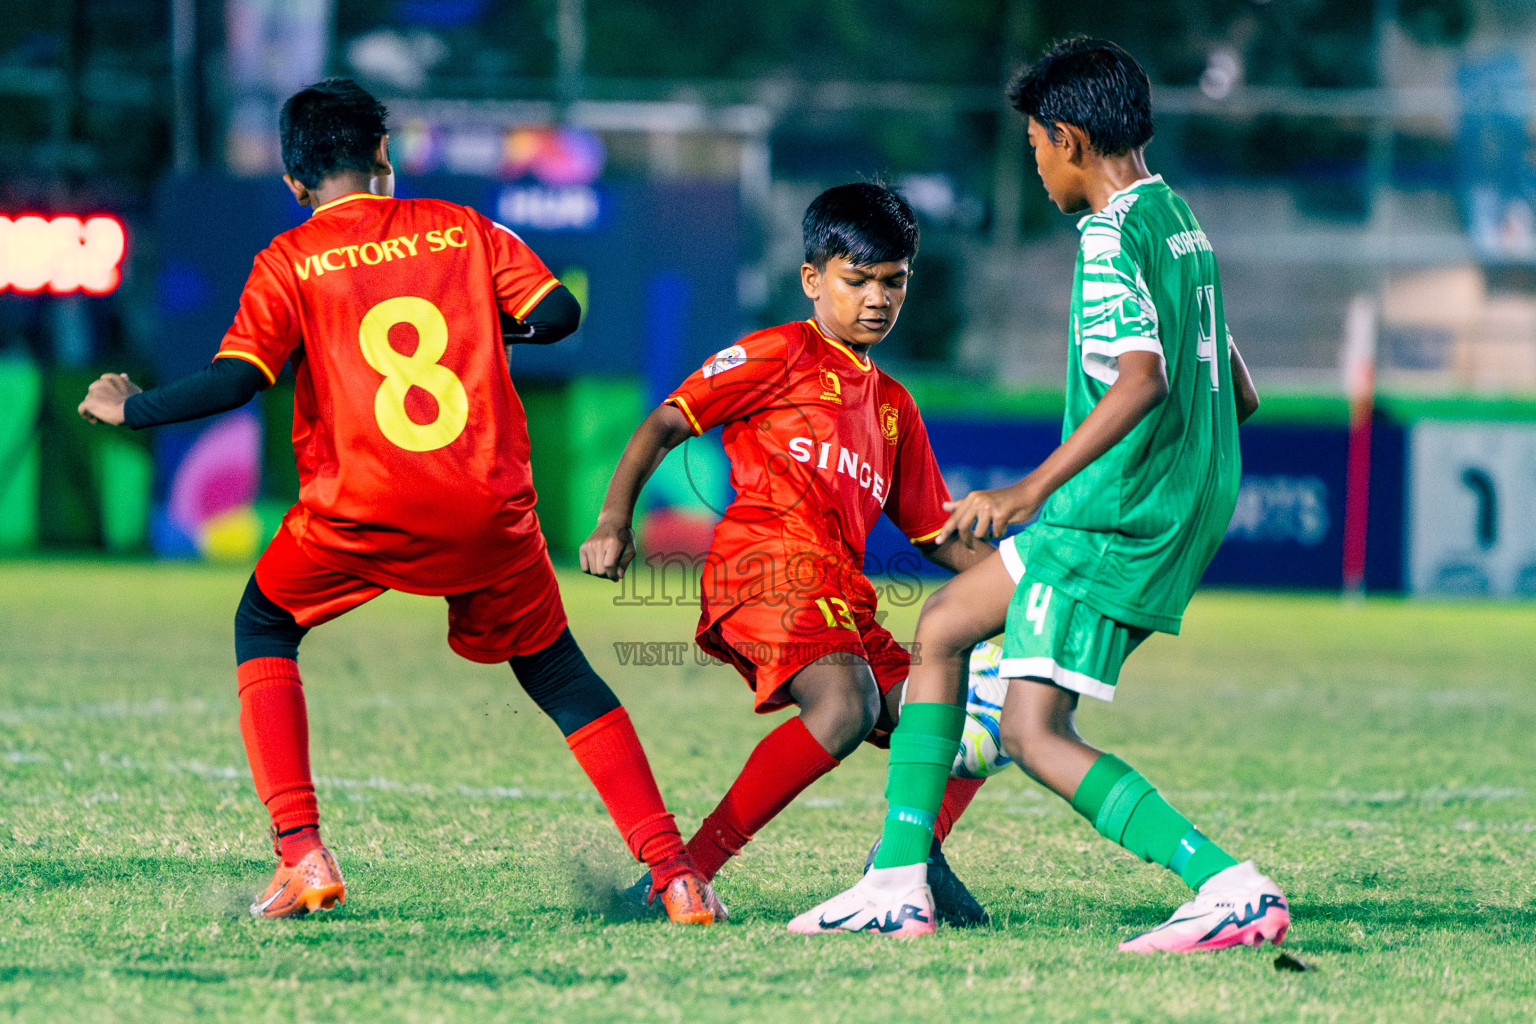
(1117, 312)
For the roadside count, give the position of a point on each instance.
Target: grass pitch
(1376, 760)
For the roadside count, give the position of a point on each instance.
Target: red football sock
(276, 732)
(610, 753)
(292, 846)
(784, 763)
(957, 797)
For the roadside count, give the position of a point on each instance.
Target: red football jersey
(821, 441)
(411, 442)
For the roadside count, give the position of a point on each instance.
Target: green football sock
(1125, 809)
(922, 752)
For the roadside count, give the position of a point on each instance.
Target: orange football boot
(687, 900)
(314, 883)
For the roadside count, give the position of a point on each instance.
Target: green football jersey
(1133, 532)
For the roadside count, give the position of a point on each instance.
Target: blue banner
(1287, 531)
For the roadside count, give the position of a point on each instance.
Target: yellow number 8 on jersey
(420, 369)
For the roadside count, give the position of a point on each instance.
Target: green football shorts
(1057, 638)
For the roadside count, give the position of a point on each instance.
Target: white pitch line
(1429, 798)
(376, 783)
(112, 710)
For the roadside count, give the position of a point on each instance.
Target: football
(981, 752)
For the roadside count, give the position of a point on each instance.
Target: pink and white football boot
(1236, 907)
(894, 902)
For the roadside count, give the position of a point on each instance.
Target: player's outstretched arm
(1246, 395)
(1141, 385)
(611, 547)
(222, 385)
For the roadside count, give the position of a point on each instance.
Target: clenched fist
(608, 551)
(104, 401)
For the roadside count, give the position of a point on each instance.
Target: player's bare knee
(840, 716)
(943, 626)
(1031, 752)
(1028, 738)
(859, 706)
(870, 704)
(1015, 745)
(936, 612)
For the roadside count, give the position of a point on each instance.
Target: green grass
(1376, 760)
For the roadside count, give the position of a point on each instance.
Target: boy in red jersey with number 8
(821, 442)
(412, 450)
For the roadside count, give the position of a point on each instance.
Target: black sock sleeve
(557, 315)
(563, 685)
(263, 629)
(222, 385)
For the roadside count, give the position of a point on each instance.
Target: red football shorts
(518, 614)
(774, 634)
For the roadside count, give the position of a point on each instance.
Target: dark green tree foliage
(1312, 43)
(954, 42)
(1436, 22)
(1317, 43)
(497, 41)
(107, 126)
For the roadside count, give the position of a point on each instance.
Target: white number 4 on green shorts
(1057, 638)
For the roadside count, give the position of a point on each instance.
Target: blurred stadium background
(1364, 170)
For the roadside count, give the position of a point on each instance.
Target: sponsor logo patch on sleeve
(725, 359)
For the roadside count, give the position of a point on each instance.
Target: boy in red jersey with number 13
(821, 442)
(412, 451)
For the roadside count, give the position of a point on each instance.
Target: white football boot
(887, 901)
(1235, 907)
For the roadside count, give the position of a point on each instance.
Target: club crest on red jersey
(831, 387)
(888, 423)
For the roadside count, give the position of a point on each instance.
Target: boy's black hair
(1090, 83)
(865, 223)
(331, 126)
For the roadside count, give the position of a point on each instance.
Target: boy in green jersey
(1131, 506)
